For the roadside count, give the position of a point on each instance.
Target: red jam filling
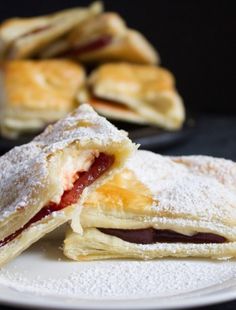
(89, 47)
(102, 163)
(151, 235)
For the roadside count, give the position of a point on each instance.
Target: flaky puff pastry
(34, 93)
(103, 38)
(146, 91)
(114, 111)
(39, 180)
(185, 195)
(25, 37)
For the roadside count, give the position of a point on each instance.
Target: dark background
(194, 39)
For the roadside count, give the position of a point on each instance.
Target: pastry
(35, 93)
(24, 37)
(114, 111)
(159, 207)
(148, 92)
(44, 182)
(102, 38)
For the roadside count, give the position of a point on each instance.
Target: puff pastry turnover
(25, 37)
(36, 93)
(43, 183)
(102, 38)
(147, 93)
(158, 207)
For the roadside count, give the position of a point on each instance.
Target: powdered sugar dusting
(23, 170)
(221, 169)
(180, 190)
(113, 279)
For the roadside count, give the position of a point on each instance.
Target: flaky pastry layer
(147, 90)
(37, 173)
(34, 233)
(186, 195)
(94, 245)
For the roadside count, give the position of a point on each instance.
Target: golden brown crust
(43, 91)
(147, 90)
(135, 79)
(124, 193)
(42, 84)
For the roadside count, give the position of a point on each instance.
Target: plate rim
(53, 302)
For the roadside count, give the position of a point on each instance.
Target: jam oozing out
(102, 163)
(89, 47)
(151, 235)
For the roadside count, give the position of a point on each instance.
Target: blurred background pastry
(137, 93)
(103, 38)
(40, 84)
(34, 93)
(25, 37)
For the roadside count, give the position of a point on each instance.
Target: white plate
(41, 277)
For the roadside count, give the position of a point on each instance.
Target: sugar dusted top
(23, 170)
(194, 188)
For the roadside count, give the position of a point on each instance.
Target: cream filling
(64, 172)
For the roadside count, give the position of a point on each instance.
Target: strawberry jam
(102, 163)
(151, 235)
(89, 47)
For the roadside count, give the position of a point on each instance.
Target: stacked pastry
(43, 75)
(160, 207)
(119, 203)
(26, 37)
